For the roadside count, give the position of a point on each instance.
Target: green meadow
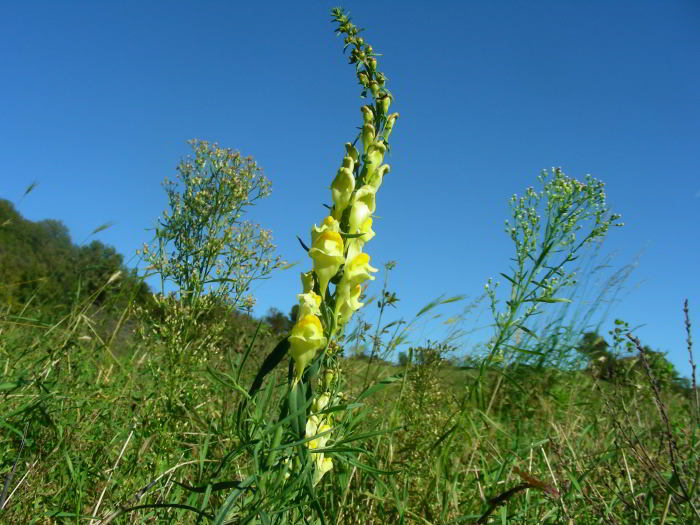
(124, 404)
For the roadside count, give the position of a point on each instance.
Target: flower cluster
(337, 244)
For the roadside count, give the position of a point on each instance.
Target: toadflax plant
(313, 431)
(337, 244)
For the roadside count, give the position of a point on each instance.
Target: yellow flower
(309, 304)
(305, 338)
(352, 151)
(358, 271)
(327, 252)
(349, 305)
(374, 158)
(363, 205)
(389, 126)
(356, 244)
(328, 224)
(321, 402)
(323, 465)
(368, 134)
(314, 426)
(342, 188)
(375, 177)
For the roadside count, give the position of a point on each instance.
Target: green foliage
(40, 266)
(576, 216)
(202, 243)
(209, 252)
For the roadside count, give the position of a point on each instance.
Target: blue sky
(97, 100)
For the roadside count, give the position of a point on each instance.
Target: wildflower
(309, 304)
(355, 245)
(375, 177)
(342, 187)
(327, 252)
(358, 271)
(305, 338)
(363, 205)
(349, 305)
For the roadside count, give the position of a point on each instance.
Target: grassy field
(122, 406)
(95, 431)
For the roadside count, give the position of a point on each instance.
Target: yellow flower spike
(375, 178)
(356, 244)
(368, 134)
(350, 305)
(327, 254)
(309, 304)
(305, 338)
(341, 189)
(363, 205)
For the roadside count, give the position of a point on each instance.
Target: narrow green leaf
(102, 227)
(221, 516)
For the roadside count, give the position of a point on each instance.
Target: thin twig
(672, 447)
(692, 361)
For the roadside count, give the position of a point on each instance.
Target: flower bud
(367, 114)
(309, 304)
(356, 244)
(341, 190)
(321, 402)
(307, 282)
(363, 78)
(363, 206)
(374, 87)
(328, 376)
(383, 104)
(368, 135)
(352, 151)
(373, 159)
(389, 126)
(375, 178)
